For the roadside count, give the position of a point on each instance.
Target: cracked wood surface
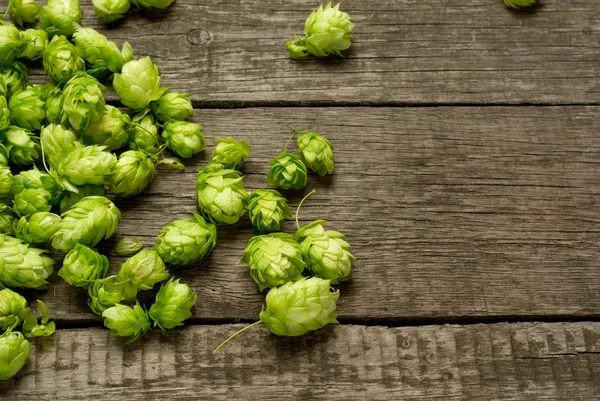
(555, 361)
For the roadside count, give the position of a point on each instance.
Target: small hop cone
(111, 10)
(125, 321)
(60, 17)
(274, 259)
(36, 179)
(133, 172)
(184, 138)
(287, 172)
(22, 266)
(173, 305)
(38, 228)
(82, 102)
(32, 201)
(267, 209)
(104, 294)
(517, 4)
(85, 165)
(141, 272)
(295, 308)
(160, 4)
(230, 153)
(316, 152)
(58, 142)
(138, 84)
(7, 218)
(82, 266)
(128, 246)
(23, 11)
(143, 134)
(220, 194)
(110, 129)
(12, 43)
(61, 60)
(14, 76)
(102, 55)
(36, 40)
(13, 309)
(23, 146)
(173, 106)
(26, 109)
(4, 114)
(71, 198)
(14, 353)
(6, 180)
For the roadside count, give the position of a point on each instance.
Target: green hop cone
(184, 138)
(183, 242)
(3, 155)
(3, 87)
(6, 180)
(102, 55)
(22, 266)
(12, 43)
(287, 172)
(7, 218)
(14, 353)
(27, 109)
(36, 179)
(36, 41)
(516, 4)
(125, 321)
(110, 130)
(61, 60)
(230, 153)
(143, 133)
(23, 147)
(160, 4)
(83, 102)
(326, 253)
(138, 84)
(32, 201)
(173, 106)
(71, 198)
(173, 305)
(38, 228)
(316, 152)
(267, 209)
(220, 194)
(298, 307)
(23, 11)
(111, 10)
(4, 114)
(60, 17)
(327, 30)
(104, 294)
(82, 266)
(13, 309)
(141, 272)
(85, 165)
(134, 171)
(274, 259)
(128, 246)
(14, 76)
(88, 222)
(58, 142)
(54, 106)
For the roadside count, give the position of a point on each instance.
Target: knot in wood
(199, 36)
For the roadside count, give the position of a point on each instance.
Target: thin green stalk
(231, 337)
(300, 205)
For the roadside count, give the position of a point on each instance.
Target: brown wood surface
(476, 362)
(404, 52)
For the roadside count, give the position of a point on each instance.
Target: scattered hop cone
(58, 142)
(141, 272)
(32, 201)
(326, 253)
(287, 172)
(83, 102)
(71, 198)
(13, 309)
(267, 209)
(102, 55)
(220, 194)
(22, 266)
(7, 218)
(23, 11)
(14, 76)
(230, 153)
(14, 353)
(4, 114)
(184, 138)
(128, 246)
(296, 308)
(6, 180)
(83, 266)
(139, 83)
(183, 242)
(134, 171)
(36, 41)
(160, 4)
(26, 109)
(111, 10)
(274, 259)
(85, 165)
(110, 129)
(173, 305)
(88, 222)
(124, 321)
(173, 106)
(23, 147)
(316, 152)
(11, 43)
(143, 134)
(516, 4)
(36, 179)
(60, 17)
(3, 155)
(327, 30)
(38, 228)
(61, 60)
(104, 294)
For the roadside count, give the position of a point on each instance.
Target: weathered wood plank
(405, 52)
(452, 212)
(558, 361)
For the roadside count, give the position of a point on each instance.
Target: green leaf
(43, 311)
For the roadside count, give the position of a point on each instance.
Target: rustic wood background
(467, 182)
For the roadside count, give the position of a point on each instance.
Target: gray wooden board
(525, 361)
(404, 52)
(453, 213)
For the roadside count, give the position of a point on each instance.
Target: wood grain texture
(453, 213)
(404, 52)
(558, 361)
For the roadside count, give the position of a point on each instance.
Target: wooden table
(467, 182)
